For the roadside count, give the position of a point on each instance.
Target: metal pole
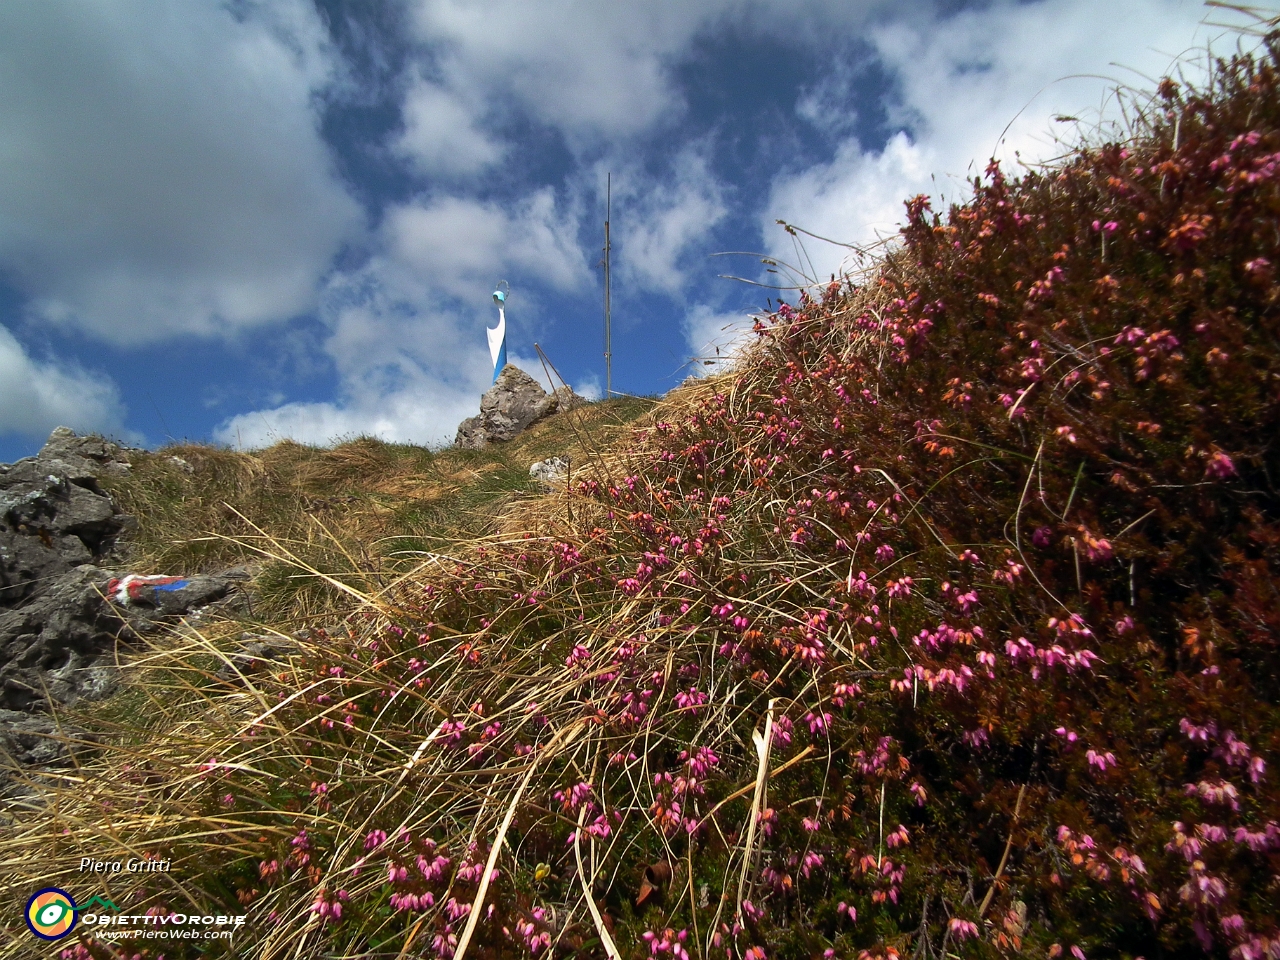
(608, 333)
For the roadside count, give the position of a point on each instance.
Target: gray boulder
(514, 403)
(105, 456)
(63, 616)
(59, 646)
(35, 739)
(549, 470)
(64, 645)
(53, 514)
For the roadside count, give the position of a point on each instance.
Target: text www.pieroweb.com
(171, 927)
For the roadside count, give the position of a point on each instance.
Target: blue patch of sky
(741, 90)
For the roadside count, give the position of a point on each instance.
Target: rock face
(53, 514)
(63, 616)
(515, 402)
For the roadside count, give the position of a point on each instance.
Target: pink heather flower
(818, 722)
(1194, 732)
(900, 588)
(329, 908)
(1100, 760)
(1220, 466)
(1218, 792)
(811, 862)
(1257, 770)
(962, 929)
(1254, 840)
(1211, 833)
(975, 738)
(691, 700)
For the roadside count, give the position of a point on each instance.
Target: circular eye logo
(51, 913)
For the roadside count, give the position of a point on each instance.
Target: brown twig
(986, 901)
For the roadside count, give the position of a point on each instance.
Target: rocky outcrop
(66, 610)
(53, 514)
(514, 403)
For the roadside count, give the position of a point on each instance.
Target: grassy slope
(360, 510)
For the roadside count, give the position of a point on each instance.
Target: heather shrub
(944, 626)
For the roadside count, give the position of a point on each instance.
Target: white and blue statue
(498, 335)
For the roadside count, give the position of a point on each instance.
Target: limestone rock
(61, 625)
(550, 469)
(60, 645)
(53, 514)
(65, 444)
(514, 403)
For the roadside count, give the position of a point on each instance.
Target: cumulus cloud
(404, 332)
(589, 387)
(423, 413)
(459, 243)
(442, 134)
(657, 227)
(961, 80)
(163, 169)
(38, 395)
(587, 68)
(407, 368)
(601, 71)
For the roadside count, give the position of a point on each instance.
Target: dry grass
(355, 511)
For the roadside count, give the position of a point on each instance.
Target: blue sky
(238, 222)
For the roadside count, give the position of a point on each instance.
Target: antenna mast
(608, 337)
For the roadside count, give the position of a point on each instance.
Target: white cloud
(423, 414)
(962, 79)
(442, 134)
(463, 245)
(407, 368)
(405, 331)
(161, 169)
(716, 339)
(36, 396)
(587, 68)
(656, 228)
(589, 387)
(602, 71)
